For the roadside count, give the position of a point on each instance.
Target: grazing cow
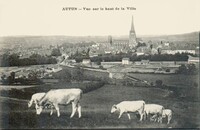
(62, 96)
(36, 98)
(129, 107)
(154, 109)
(166, 113)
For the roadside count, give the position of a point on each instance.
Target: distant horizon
(139, 35)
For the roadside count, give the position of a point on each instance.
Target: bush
(159, 83)
(56, 52)
(34, 59)
(151, 83)
(101, 67)
(63, 75)
(167, 70)
(92, 86)
(187, 69)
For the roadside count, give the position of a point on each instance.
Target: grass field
(96, 107)
(178, 80)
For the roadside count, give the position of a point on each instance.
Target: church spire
(132, 26)
(132, 35)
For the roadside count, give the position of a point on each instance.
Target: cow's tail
(162, 110)
(143, 107)
(78, 98)
(81, 93)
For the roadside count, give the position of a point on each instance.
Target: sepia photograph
(99, 64)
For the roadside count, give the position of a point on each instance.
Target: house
(65, 56)
(86, 61)
(144, 62)
(139, 53)
(166, 51)
(125, 61)
(166, 44)
(110, 64)
(197, 51)
(143, 49)
(193, 60)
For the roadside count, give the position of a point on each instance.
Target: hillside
(187, 37)
(37, 40)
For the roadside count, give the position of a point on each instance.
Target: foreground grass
(96, 107)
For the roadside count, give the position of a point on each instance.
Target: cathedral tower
(132, 36)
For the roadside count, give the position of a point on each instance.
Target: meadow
(96, 106)
(177, 80)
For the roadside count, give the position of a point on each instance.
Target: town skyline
(155, 17)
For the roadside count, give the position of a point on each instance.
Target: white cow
(166, 113)
(61, 96)
(154, 109)
(36, 98)
(129, 107)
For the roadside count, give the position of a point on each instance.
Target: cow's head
(38, 109)
(114, 108)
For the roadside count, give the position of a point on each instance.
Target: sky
(47, 17)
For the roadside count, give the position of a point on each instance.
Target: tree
(88, 52)
(159, 83)
(56, 52)
(151, 46)
(33, 75)
(141, 44)
(5, 59)
(159, 51)
(13, 59)
(182, 69)
(192, 69)
(12, 74)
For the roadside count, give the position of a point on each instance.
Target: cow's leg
(129, 117)
(153, 118)
(79, 110)
(52, 107)
(120, 114)
(51, 111)
(144, 115)
(57, 109)
(169, 119)
(141, 115)
(74, 107)
(160, 118)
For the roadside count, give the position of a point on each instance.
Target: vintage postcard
(99, 64)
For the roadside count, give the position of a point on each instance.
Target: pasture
(96, 106)
(177, 80)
